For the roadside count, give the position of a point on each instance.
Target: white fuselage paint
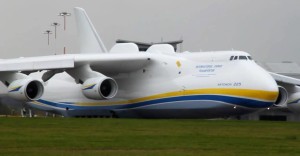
(179, 85)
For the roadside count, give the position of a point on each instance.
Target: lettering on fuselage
(207, 69)
(229, 84)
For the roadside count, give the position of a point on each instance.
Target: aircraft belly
(42, 107)
(185, 109)
(180, 109)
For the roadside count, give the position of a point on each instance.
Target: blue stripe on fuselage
(250, 103)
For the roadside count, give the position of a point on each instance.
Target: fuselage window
(242, 58)
(231, 58)
(235, 58)
(249, 57)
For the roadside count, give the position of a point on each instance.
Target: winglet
(89, 40)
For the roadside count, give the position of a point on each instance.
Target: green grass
(69, 136)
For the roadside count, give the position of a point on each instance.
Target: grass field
(66, 136)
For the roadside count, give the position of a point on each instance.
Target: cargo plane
(157, 83)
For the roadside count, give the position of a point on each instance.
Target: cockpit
(241, 57)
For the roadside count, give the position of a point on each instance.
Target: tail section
(89, 40)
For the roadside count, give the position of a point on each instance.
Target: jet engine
(294, 102)
(282, 97)
(26, 89)
(100, 88)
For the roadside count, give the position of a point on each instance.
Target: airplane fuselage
(179, 85)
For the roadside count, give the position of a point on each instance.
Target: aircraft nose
(267, 83)
(261, 88)
(266, 86)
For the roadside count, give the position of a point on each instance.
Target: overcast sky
(267, 29)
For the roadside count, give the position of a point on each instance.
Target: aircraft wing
(285, 79)
(113, 63)
(36, 63)
(107, 63)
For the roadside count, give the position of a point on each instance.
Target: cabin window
(231, 58)
(242, 58)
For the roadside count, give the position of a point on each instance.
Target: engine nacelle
(294, 102)
(26, 89)
(282, 97)
(100, 88)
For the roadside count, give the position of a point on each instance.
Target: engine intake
(26, 89)
(100, 88)
(282, 97)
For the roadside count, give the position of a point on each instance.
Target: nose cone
(269, 90)
(264, 81)
(262, 85)
(267, 83)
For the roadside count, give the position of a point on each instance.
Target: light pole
(64, 14)
(55, 24)
(48, 32)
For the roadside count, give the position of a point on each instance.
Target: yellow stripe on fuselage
(247, 93)
(261, 95)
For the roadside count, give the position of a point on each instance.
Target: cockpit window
(242, 58)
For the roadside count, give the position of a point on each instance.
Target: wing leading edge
(103, 63)
(285, 79)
